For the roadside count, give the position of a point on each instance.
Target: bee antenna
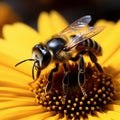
(24, 61)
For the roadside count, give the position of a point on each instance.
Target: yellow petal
(102, 116)
(90, 117)
(113, 115)
(57, 21)
(10, 95)
(17, 103)
(101, 37)
(16, 91)
(39, 116)
(19, 40)
(44, 25)
(50, 24)
(20, 98)
(56, 117)
(10, 66)
(13, 78)
(13, 82)
(113, 60)
(103, 22)
(20, 112)
(110, 44)
(116, 84)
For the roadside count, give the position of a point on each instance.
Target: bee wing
(92, 31)
(76, 25)
(84, 35)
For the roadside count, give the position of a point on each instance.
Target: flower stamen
(98, 87)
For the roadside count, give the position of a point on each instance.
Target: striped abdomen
(92, 45)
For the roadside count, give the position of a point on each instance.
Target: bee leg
(65, 81)
(81, 74)
(81, 71)
(38, 73)
(49, 84)
(94, 60)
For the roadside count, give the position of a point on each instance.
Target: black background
(29, 10)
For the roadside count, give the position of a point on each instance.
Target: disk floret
(98, 86)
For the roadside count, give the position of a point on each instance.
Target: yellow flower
(18, 102)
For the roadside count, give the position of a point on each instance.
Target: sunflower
(24, 99)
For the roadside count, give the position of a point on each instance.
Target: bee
(69, 44)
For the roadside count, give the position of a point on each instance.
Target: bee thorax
(62, 56)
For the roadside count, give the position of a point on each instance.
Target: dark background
(29, 10)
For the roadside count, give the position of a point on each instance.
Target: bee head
(41, 54)
(41, 57)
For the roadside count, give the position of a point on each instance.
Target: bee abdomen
(92, 45)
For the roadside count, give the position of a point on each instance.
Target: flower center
(98, 87)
